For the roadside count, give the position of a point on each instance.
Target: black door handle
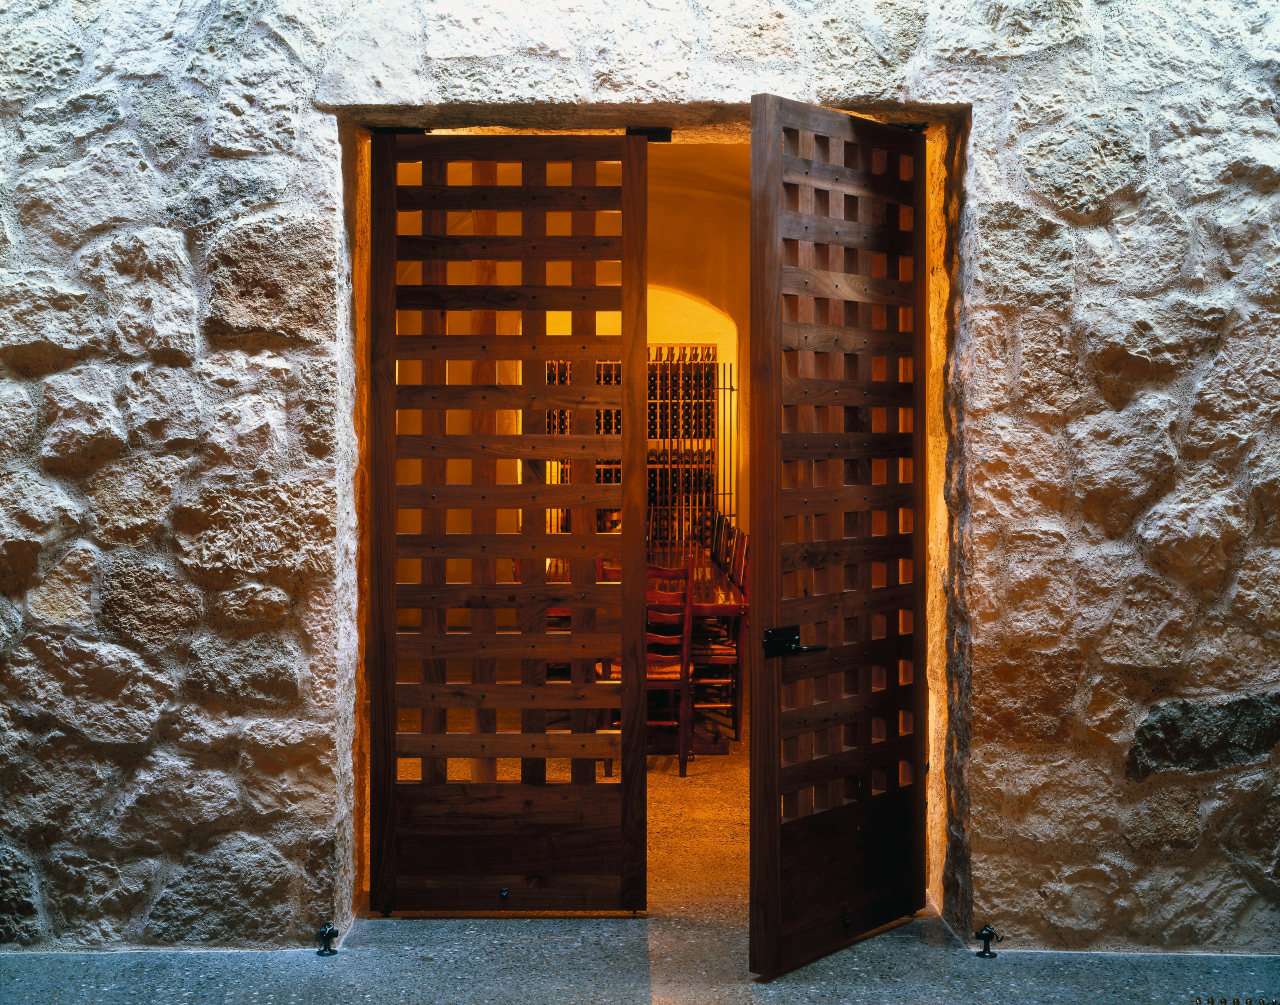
(786, 642)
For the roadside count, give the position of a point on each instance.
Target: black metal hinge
(786, 642)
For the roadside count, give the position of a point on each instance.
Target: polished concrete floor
(692, 948)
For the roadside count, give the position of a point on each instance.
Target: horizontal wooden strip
(851, 603)
(843, 446)
(556, 695)
(820, 770)
(840, 125)
(558, 647)
(452, 896)
(488, 248)
(527, 496)
(508, 546)
(886, 652)
(505, 807)
(820, 392)
(510, 298)
(497, 347)
(592, 745)
(837, 338)
(811, 718)
(509, 198)
(508, 396)
(819, 554)
(846, 180)
(531, 447)
(508, 595)
(507, 149)
(841, 286)
(844, 499)
(847, 234)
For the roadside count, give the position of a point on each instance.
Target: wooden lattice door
(837, 736)
(507, 306)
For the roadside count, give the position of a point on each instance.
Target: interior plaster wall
(178, 538)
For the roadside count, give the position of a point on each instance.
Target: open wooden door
(837, 332)
(507, 437)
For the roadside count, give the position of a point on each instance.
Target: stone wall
(177, 517)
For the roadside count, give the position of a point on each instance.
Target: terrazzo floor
(691, 948)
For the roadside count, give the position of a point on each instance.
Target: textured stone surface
(1165, 822)
(34, 513)
(103, 691)
(37, 54)
(149, 604)
(241, 885)
(17, 421)
(162, 408)
(1197, 736)
(289, 766)
(258, 671)
(130, 498)
(1148, 631)
(270, 276)
(1257, 594)
(1021, 258)
(65, 595)
(170, 802)
(48, 323)
(258, 105)
(84, 423)
(19, 914)
(1085, 160)
(1124, 459)
(252, 602)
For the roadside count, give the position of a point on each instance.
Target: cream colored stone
(1257, 593)
(131, 497)
(1238, 398)
(48, 323)
(65, 595)
(163, 408)
(287, 766)
(1167, 821)
(149, 604)
(36, 54)
(253, 602)
(17, 420)
(169, 803)
(1050, 382)
(1020, 258)
(35, 512)
(1084, 161)
(1145, 640)
(1144, 249)
(258, 105)
(84, 424)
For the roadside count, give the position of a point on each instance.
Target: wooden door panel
(497, 352)
(837, 769)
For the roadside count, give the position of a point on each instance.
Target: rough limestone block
(1050, 384)
(1124, 460)
(1238, 398)
(19, 914)
(64, 597)
(85, 427)
(1168, 821)
(54, 127)
(256, 672)
(278, 532)
(60, 208)
(163, 408)
(36, 54)
(1257, 594)
(1194, 534)
(48, 325)
(103, 691)
(214, 190)
(375, 60)
(249, 432)
(1141, 250)
(1022, 696)
(1020, 259)
(1144, 642)
(17, 420)
(1085, 160)
(258, 104)
(273, 276)
(1196, 736)
(236, 892)
(287, 766)
(149, 286)
(193, 729)
(253, 602)
(35, 513)
(130, 498)
(165, 118)
(94, 897)
(150, 604)
(168, 803)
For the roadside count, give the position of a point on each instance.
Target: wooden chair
(668, 637)
(718, 653)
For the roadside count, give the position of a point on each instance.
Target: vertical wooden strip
(380, 667)
(766, 506)
(634, 487)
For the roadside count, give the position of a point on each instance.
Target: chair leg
(738, 682)
(686, 725)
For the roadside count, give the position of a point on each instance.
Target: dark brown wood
(509, 496)
(531, 348)
(509, 298)
(381, 627)
(411, 148)
(532, 447)
(500, 198)
(469, 247)
(837, 343)
(486, 745)
(490, 396)
(558, 646)
(508, 595)
(575, 546)
(606, 694)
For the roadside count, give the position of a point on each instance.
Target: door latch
(786, 642)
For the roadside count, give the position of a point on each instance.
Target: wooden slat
(532, 447)
(510, 298)
(845, 234)
(822, 715)
(472, 247)
(841, 125)
(509, 198)
(508, 595)
(838, 606)
(526, 496)
(584, 745)
(884, 651)
(517, 397)
(840, 286)
(508, 546)
(556, 695)
(844, 499)
(410, 147)
(837, 338)
(817, 391)
(497, 347)
(845, 180)
(844, 446)
(821, 770)
(556, 647)
(819, 554)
